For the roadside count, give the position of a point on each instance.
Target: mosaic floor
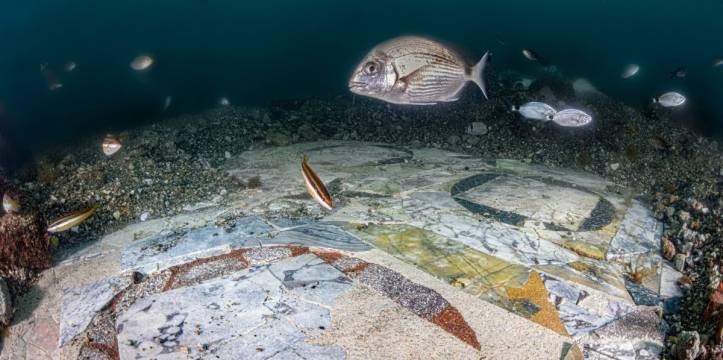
(427, 254)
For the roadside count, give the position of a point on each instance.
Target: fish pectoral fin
(414, 75)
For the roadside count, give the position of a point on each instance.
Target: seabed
(427, 254)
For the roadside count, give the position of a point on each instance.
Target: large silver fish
(415, 71)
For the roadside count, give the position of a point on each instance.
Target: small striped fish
(415, 71)
(73, 219)
(314, 186)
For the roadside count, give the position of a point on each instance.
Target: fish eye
(371, 67)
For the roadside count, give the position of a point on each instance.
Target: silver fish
(717, 62)
(141, 63)
(670, 99)
(110, 145)
(224, 101)
(70, 66)
(572, 118)
(630, 71)
(533, 56)
(167, 102)
(415, 71)
(530, 55)
(536, 111)
(10, 205)
(679, 73)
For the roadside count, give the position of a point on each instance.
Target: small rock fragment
(679, 262)
(688, 346)
(668, 249)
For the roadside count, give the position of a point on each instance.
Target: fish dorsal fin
(305, 158)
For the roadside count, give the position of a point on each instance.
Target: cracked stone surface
(81, 304)
(258, 313)
(458, 251)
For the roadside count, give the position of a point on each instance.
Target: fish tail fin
(478, 73)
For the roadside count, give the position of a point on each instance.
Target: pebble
(145, 216)
(688, 346)
(614, 166)
(668, 249)
(453, 140)
(116, 215)
(227, 155)
(679, 262)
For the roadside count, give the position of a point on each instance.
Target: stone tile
(253, 313)
(635, 336)
(669, 282)
(44, 335)
(638, 233)
(317, 235)
(81, 304)
(166, 250)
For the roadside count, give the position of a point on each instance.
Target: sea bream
(630, 71)
(572, 118)
(413, 70)
(536, 111)
(670, 99)
(110, 145)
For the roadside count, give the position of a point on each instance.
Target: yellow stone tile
(535, 292)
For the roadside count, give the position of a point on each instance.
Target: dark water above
(257, 52)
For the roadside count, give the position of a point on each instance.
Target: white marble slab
(251, 314)
(80, 305)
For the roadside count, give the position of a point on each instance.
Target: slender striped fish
(314, 186)
(71, 220)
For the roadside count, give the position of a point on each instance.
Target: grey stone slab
(80, 305)
(638, 233)
(669, 282)
(640, 294)
(166, 250)
(635, 336)
(251, 314)
(6, 304)
(317, 235)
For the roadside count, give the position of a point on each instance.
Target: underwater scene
(414, 179)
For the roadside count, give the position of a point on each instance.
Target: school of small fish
(407, 70)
